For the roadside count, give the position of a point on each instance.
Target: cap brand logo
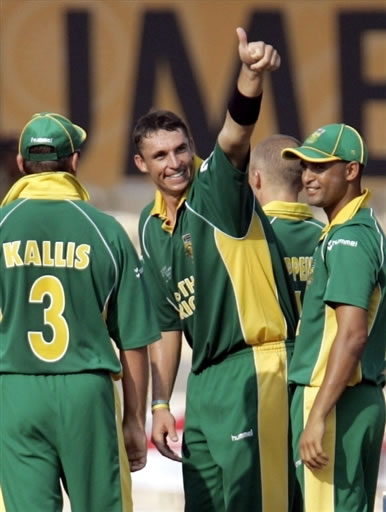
(315, 136)
(41, 140)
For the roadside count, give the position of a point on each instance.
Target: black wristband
(242, 109)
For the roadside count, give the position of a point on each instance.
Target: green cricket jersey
(348, 268)
(297, 233)
(70, 281)
(217, 261)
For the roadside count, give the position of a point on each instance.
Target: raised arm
(257, 58)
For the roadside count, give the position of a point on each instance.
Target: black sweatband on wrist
(242, 109)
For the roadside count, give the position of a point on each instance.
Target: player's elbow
(357, 339)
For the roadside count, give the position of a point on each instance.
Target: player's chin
(178, 185)
(314, 199)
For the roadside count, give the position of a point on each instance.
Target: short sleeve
(131, 318)
(352, 266)
(221, 195)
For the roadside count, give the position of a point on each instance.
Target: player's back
(59, 267)
(297, 234)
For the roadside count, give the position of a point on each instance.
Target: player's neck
(277, 195)
(171, 203)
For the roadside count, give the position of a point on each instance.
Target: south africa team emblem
(188, 247)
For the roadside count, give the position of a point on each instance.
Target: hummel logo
(41, 140)
(166, 273)
(138, 271)
(204, 166)
(243, 435)
(341, 241)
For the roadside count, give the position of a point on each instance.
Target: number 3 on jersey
(54, 349)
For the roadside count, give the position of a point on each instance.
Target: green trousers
(60, 427)
(352, 440)
(236, 437)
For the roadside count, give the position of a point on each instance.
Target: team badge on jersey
(188, 247)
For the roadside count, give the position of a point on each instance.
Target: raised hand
(257, 55)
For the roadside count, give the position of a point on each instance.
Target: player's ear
(139, 162)
(352, 171)
(74, 162)
(255, 178)
(20, 163)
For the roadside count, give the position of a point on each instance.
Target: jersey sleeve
(131, 319)
(352, 265)
(221, 195)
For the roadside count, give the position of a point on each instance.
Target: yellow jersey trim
(288, 210)
(319, 485)
(266, 323)
(47, 185)
(273, 423)
(347, 212)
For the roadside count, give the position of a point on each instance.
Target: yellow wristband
(159, 406)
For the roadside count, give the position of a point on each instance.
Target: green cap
(49, 129)
(329, 143)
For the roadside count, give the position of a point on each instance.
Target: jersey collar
(347, 212)
(159, 209)
(288, 210)
(47, 185)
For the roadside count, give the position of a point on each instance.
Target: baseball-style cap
(329, 143)
(49, 129)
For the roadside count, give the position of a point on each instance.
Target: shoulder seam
(100, 236)
(217, 228)
(13, 209)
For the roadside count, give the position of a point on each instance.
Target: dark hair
(154, 121)
(34, 167)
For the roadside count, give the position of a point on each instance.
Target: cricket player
(70, 283)
(217, 276)
(277, 183)
(337, 370)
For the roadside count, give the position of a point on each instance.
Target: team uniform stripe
(127, 503)
(319, 486)
(267, 322)
(144, 247)
(271, 372)
(329, 334)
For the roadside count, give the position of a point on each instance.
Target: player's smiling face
(326, 184)
(168, 157)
